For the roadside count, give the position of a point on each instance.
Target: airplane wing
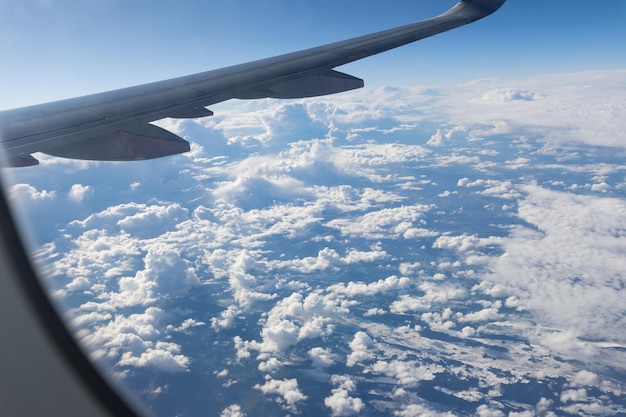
(115, 125)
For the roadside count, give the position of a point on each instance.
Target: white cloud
(293, 319)
(412, 410)
(25, 193)
(227, 318)
(571, 266)
(407, 373)
(246, 288)
(439, 322)
(315, 326)
(584, 115)
(442, 136)
(164, 275)
(172, 274)
(506, 95)
(459, 243)
(78, 192)
(287, 389)
(601, 187)
(375, 311)
(495, 188)
(468, 331)
(138, 219)
(322, 357)
(574, 395)
(433, 293)
(486, 314)
(279, 334)
(133, 340)
(361, 349)
(233, 410)
(79, 283)
(409, 268)
(340, 402)
(386, 223)
(242, 348)
(354, 289)
(584, 378)
(186, 325)
(163, 357)
(485, 411)
(153, 220)
(270, 366)
(326, 258)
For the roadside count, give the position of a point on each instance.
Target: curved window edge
(44, 370)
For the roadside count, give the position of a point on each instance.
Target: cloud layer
(393, 251)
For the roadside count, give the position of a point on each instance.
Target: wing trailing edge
(313, 85)
(134, 144)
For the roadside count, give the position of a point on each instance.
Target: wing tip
(486, 7)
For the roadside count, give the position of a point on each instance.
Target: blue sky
(58, 49)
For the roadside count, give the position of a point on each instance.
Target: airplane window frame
(20, 284)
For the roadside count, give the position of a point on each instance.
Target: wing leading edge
(115, 125)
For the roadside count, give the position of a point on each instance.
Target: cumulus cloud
(486, 411)
(412, 410)
(172, 274)
(226, 320)
(584, 378)
(78, 192)
(26, 192)
(322, 357)
(165, 275)
(407, 373)
(328, 258)
(574, 395)
(133, 340)
(233, 410)
(496, 188)
(506, 95)
(340, 402)
(152, 220)
(409, 268)
(270, 366)
(278, 334)
(443, 136)
(386, 223)
(163, 357)
(354, 289)
(375, 311)
(187, 325)
(486, 314)
(295, 318)
(289, 395)
(361, 349)
(138, 219)
(246, 288)
(433, 293)
(255, 190)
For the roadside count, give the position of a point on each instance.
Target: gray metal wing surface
(115, 125)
